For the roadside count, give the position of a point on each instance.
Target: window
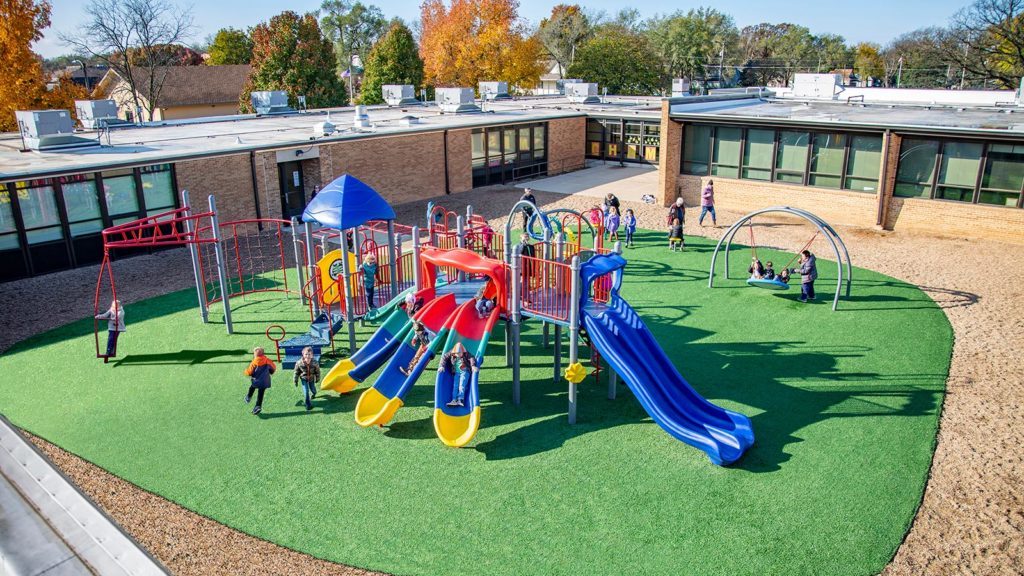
(38, 204)
(916, 168)
(595, 138)
(864, 164)
(614, 134)
(652, 141)
(725, 159)
(634, 138)
(1004, 175)
(479, 152)
(82, 204)
(119, 191)
(539, 138)
(8, 227)
(791, 158)
(494, 147)
(696, 148)
(158, 188)
(757, 154)
(958, 171)
(827, 153)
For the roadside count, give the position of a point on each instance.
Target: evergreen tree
(394, 59)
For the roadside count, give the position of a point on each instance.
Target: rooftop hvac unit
(818, 86)
(494, 90)
(582, 92)
(49, 130)
(270, 102)
(97, 113)
(561, 84)
(458, 100)
(680, 87)
(399, 94)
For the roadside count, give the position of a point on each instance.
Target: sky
(865, 20)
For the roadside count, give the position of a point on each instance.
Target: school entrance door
(293, 195)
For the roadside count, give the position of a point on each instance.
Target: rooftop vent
(680, 87)
(399, 94)
(409, 120)
(325, 128)
(45, 130)
(97, 113)
(582, 93)
(458, 100)
(361, 119)
(270, 102)
(494, 90)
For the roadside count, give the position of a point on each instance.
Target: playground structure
(822, 228)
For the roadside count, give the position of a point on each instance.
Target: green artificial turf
(844, 407)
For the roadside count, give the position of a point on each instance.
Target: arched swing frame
(842, 255)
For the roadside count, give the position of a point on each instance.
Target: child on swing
(675, 236)
(769, 271)
(756, 269)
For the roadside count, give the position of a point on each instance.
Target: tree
(394, 59)
(133, 37)
(474, 40)
(987, 40)
(622, 62)
(691, 44)
(290, 53)
(831, 51)
(868, 61)
(353, 28)
(780, 50)
(563, 32)
(230, 46)
(24, 86)
(923, 56)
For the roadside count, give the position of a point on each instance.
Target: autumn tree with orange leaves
(473, 40)
(23, 86)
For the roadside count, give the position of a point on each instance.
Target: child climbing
(259, 372)
(115, 325)
(675, 235)
(369, 268)
(307, 371)
(630, 223)
(420, 338)
(460, 363)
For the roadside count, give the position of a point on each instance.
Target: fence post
(222, 271)
(298, 260)
(417, 281)
(311, 266)
(514, 327)
(574, 331)
(193, 250)
(394, 253)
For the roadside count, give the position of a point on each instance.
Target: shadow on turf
(322, 404)
(190, 357)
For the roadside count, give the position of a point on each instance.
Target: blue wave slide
(625, 342)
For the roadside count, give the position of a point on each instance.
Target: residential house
(186, 92)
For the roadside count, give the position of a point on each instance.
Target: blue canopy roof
(346, 203)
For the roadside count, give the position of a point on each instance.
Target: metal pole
(395, 252)
(346, 275)
(558, 327)
(574, 331)
(543, 281)
(298, 260)
(193, 251)
(514, 324)
(222, 271)
(460, 240)
(311, 264)
(613, 376)
(417, 281)
(469, 214)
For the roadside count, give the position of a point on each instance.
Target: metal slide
(456, 426)
(625, 342)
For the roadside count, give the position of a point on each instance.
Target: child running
(630, 223)
(259, 372)
(675, 236)
(307, 370)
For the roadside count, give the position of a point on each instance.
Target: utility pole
(351, 96)
(899, 73)
(721, 67)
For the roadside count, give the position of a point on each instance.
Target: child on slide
(421, 339)
(460, 363)
(259, 372)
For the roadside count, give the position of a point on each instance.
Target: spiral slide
(625, 342)
(378, 404)
(456, 426)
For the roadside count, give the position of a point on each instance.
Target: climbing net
(255, 257)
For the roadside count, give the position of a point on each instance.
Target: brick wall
(566, 144)
(956, 219)
(671, 149)
(400, 168)
(311, 176)
(835, 206)
(460, 160)
(228, 178)
(268, 179)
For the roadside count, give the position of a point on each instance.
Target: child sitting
(783, 276)
(756, 269)
(420, 338)
(675, 235)
(769, 271)
(483, 305)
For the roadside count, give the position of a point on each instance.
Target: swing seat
(774, 284)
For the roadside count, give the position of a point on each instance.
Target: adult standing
(528, 211)
(808, 271)
(611, 201)
(707, 204)
(677, 210)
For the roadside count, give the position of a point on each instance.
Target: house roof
(189, 85)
